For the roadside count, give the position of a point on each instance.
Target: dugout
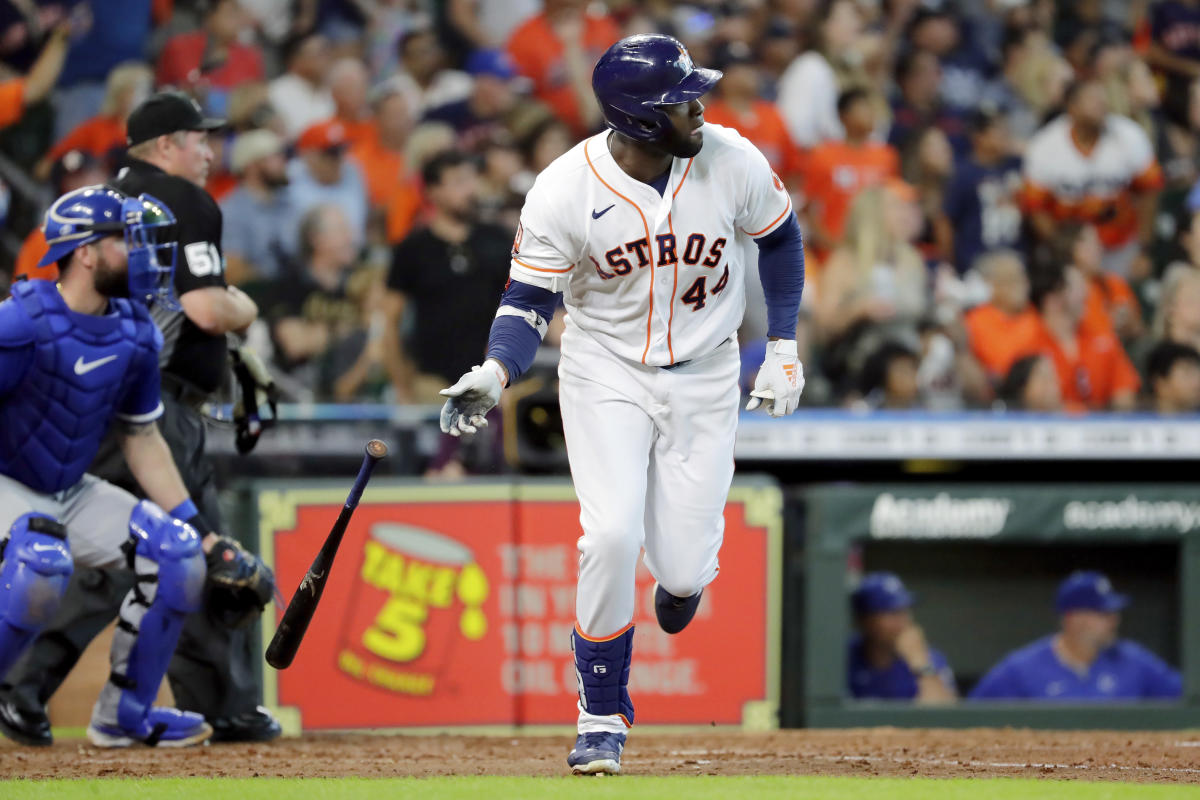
(984, 560)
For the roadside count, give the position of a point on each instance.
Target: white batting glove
(476, 393)
(780, 380)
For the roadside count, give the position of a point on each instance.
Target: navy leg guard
(36, 565)
(166, 557)
(602, 669)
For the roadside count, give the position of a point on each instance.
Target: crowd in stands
(1000, 198)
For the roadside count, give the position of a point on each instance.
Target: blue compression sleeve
(781, 269)
(525, 312)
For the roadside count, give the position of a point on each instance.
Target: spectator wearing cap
(74, 170)
(999, 329)
(301, 95)
(487, 111)
(1094, 373)
(888, 657)
(1031, 385)
(738, 103)
(557, 49)
(1097, 168)
(1173, 374)
(348, 84)
(380, 154)
(837, 170)
(321, 174)
(213, 60)
(1084, 661)
(103, 136)
(258, 213)
(424, 75)
(980, 211)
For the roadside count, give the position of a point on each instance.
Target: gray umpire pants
(213, 670)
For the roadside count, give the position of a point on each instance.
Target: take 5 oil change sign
(452, 607)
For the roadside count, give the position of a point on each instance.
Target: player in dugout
(1084, 661)
(888, 658)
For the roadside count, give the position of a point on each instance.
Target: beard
(679, 145)
(275, 180)
(110, 281)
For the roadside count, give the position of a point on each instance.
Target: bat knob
(376, 449)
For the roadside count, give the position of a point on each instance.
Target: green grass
(622, 788)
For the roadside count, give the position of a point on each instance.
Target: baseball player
(1085, 660)
(646, 230)
(75, 357)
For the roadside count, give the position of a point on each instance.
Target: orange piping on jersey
(684, 178)
(772, 225)
(649, 243)
(674, 282)
(542, 269)
(604, 638)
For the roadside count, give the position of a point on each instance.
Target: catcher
(213, 669)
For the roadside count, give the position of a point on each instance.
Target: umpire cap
(167, 112)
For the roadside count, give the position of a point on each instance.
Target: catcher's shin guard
(35, 565)
(602, 669)
(166, 557)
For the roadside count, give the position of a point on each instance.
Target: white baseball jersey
(655, 279)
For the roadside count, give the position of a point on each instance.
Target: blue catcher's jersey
(64, 376)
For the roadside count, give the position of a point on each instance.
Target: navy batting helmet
(641, 73)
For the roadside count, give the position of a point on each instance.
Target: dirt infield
(1142, 757)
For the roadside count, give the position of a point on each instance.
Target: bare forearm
(150, 461)
(217, 310)
(46, 69)
(931, 689)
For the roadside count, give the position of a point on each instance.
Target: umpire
(213, 671)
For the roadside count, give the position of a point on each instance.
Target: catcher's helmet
(91, 213)
(639, 74)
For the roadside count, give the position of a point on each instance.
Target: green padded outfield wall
(985, 560)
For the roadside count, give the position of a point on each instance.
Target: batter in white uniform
(645, 230)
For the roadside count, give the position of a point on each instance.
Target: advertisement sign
(453, 606)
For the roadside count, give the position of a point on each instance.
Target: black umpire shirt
(188, 353)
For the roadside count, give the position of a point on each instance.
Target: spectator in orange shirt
(836, 171)
(557, 49)
(1031, 385)
(1001, 327)
(212, 61)
(1093, 371)
(103, 136)
(74, 170)
(17, 94)
(381, 153)
(1098, 168)
(348, 84)
(1111, 305)
(738, 104)
(1173, 372)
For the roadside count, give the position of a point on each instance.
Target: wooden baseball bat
(290, 632)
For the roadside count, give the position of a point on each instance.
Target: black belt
(184, 392)
(690, 360)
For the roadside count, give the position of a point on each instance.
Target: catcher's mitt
(239, 584)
